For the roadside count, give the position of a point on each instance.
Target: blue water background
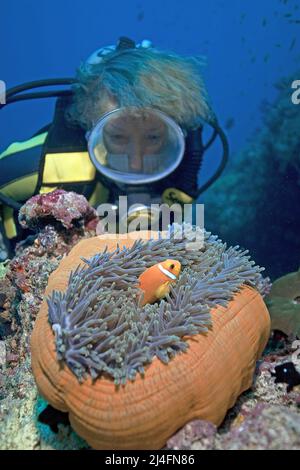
(249, 46)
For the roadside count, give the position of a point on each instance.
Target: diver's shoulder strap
(65, 161)
(62, 136)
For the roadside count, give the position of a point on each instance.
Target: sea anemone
(130, 376)
(97, 321)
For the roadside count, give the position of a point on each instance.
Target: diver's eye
(118, 138)
(172, 266)
(153, 138)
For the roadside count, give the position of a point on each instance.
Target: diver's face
(137, 136)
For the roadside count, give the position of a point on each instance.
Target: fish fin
(162, 290)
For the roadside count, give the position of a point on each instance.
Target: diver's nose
(136, 158)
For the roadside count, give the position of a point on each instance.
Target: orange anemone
(202, 383)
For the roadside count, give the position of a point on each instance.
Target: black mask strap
(217, 132)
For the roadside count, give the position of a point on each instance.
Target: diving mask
(136, 146)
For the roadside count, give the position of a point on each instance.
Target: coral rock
(267, 427)
(67, 208)
(196, 430)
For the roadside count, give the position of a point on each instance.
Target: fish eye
(172, 266)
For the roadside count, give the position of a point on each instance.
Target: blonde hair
(141, 78)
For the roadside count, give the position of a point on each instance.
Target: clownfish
(155, 281)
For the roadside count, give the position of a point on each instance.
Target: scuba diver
(130, 124)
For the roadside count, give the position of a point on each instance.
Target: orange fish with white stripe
(155, 281)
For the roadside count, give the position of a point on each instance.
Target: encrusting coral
(195, 351)
(57, 207)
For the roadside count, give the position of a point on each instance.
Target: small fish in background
(264, 22)
(140, 16)
(242, 17)
(287, 373)
(292, 45)
(229, 123)
(266, 58)
(155, 281)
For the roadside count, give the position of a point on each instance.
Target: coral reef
(264, 427)
(3, 269)
(59, 206)
(7, 295)
(256, 202)
(199, 431)
(283, 303)
(25, 277)
(144, 412)
(265, 417)
(19, 429)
